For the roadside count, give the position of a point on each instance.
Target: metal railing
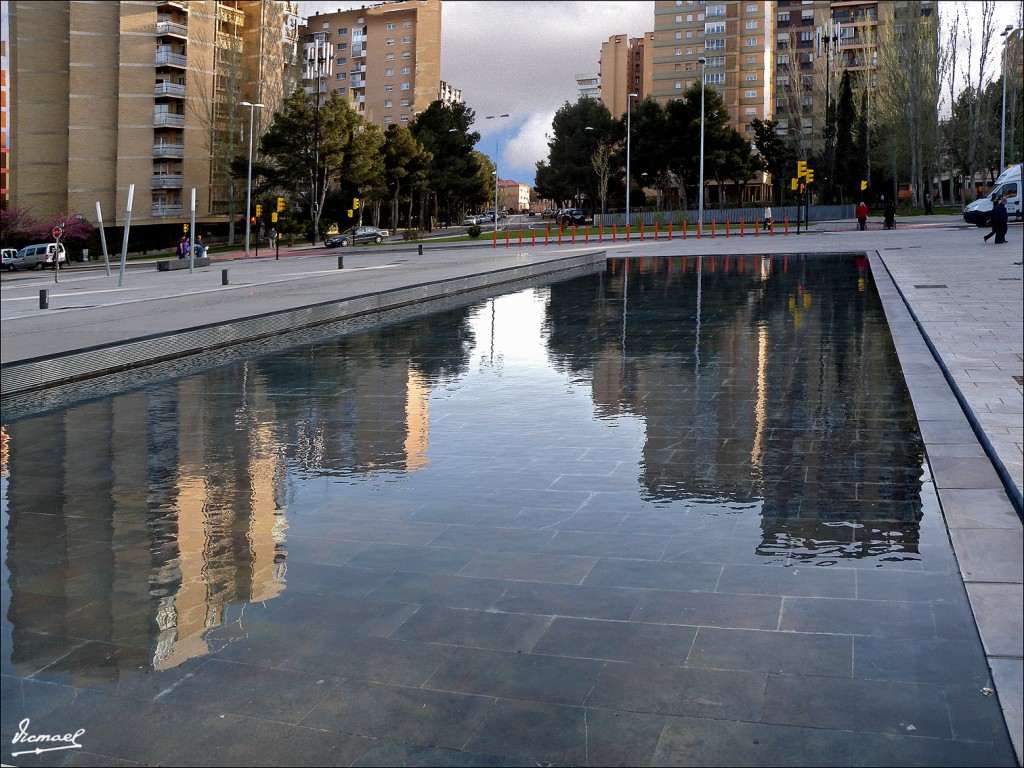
(171, 28)
(169, 118)
(168, 181)
(168, 149)
(165, 88)
(166, 58)
(160, 211)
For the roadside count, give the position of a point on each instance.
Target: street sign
(57, 232)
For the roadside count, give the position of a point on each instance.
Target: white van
(1007, 185)
(39, 256)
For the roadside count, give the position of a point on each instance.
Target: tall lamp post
(700, 192)
(248, 187)
(1002, 133)
(497, 150)
(629, 133)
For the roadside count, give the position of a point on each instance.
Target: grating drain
(931, 286)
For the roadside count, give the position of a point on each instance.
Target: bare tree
(601, 163)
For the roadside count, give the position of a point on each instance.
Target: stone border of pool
(973, 495)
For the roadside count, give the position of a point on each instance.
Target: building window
(689, 67)
(341, 60)
(714, 45)
(404, 102)
(389, 41)
(806, 37)
(782, 80)
(677, 85)
(715, 61)
(388, 103)
(389, 57)
(679, 51)
(343, 31)
(748, 128)
(714, 28)
(340, 76)
(406, 70)
(782, 17)
(388, 88)
(750, 76)
(751, 9)
(390, 26)
(679, 19)
(752, 24)
(715, 10)
(689, 34)
(689, 17)
(341, 91)
(407, 39)
(387, 119)
(714, 78)
(342, 46)
(679, 35)
(406, 24)
(782, 59)
(689, 51)
(404, 119)
(388, 72)
(807, 17)
(750, 94)
(406, 55)
(751, 41)
(806, 58)
(405, 86)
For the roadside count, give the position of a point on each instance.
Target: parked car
(571, 216)
(9, 256)
(357, 235)
(548, 213)
(474, 218)
(39, 256)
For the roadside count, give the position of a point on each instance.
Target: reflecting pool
(677, 511)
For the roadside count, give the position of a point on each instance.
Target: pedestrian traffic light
(273, 216)
(801, 168)
(355, 202)
(259, 210)
(863, 185)
(280, 204)
(810, 175)
(252, 220)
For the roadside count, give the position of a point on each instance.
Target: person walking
(992, 220)
(862, 216)
(1000, 221)
(767, 218)
(200, 248)
(890, 215)
(183, 248)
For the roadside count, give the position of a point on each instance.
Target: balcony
(168, 149)
(167, 88)
(169, 59)
(171, 28)
(164, 210)
(168, 119)
(167, 181)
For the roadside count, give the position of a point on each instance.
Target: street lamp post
(497, 150)
(700, 192)
(1002, 132)
(629, 132)
(829, 36)
(248, 187)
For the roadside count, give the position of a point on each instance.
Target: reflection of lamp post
(248, 187)
(1002, 133)
(497, 150)
(700, 193)
(629, 119)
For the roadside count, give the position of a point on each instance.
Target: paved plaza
(955, 307)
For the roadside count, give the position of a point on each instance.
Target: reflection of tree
(791, 398)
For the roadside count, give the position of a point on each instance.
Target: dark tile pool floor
(669, 514)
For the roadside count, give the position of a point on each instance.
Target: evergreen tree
(845, 156)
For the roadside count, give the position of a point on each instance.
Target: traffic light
(185, 227)
(801, 188)
(810, 175)
(273, 216)
(280, 204)
(259, 210)
(863, 185)
(252, 220)
(793, 184)
(355, 203)
(801, 168)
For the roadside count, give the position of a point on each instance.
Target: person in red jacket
(862, 216)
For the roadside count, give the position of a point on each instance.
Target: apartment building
(4, 101)
(626, 67)
(385, 59)
(513, 196)
(108, 97)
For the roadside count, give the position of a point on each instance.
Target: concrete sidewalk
(955, 303)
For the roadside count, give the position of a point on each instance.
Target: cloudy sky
(522, 58)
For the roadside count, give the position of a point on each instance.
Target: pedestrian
(992, 219)
(862, 216)
(1000, 221)
(890, 215)
(200, 248)
(272, 237)
(183, 248)
(927, 204)
(767, 217)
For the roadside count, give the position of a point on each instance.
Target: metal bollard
(44, 299)
(223, 277)
(421, 249)
(341, 262)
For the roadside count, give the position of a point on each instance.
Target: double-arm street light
(629, 126)
(497, 150)
(700, 193)
(1002, 133)
(248, 187)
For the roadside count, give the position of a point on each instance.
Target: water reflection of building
(137, 520)
(807, 434)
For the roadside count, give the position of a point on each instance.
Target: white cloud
(528, 145)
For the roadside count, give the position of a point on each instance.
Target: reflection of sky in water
(765, 425)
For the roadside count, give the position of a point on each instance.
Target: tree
(845, 158)
(452, 172)
(570, 150)
(17, 226)
(601, 163)
(776, 154)
(308, 148)
(404, 159)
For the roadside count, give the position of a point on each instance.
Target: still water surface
(736, 429)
